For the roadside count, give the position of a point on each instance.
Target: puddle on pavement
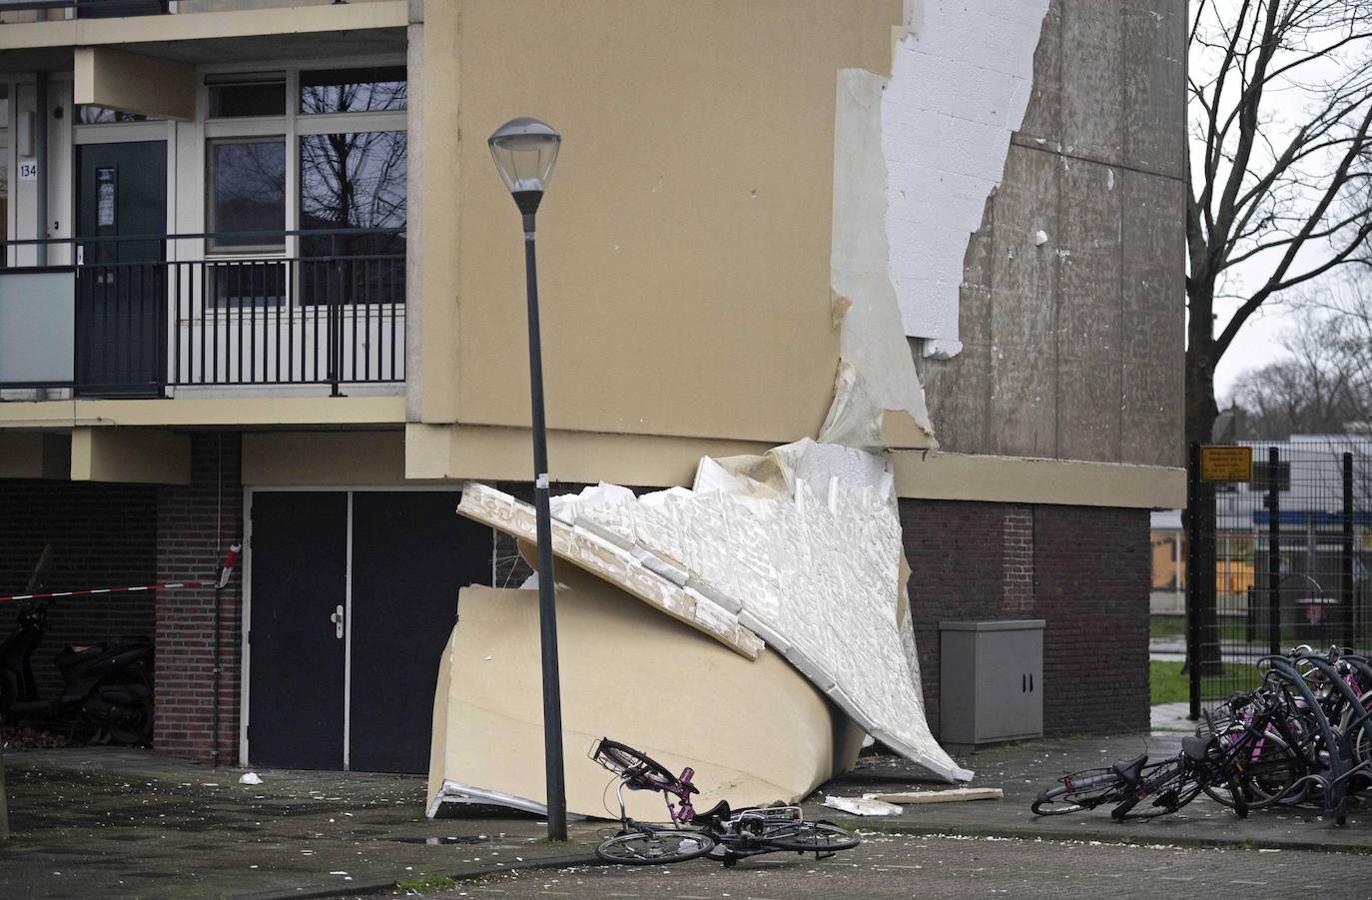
(439, 841)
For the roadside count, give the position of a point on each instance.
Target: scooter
(106, 686)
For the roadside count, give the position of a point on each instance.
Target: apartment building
(262, 282)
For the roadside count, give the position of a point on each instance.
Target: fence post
(335, 317)
(1273, 504)
(1194, 576)
(1346, 557)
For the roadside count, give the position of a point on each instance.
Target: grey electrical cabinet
(990, 681)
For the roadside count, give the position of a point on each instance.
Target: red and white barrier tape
(225, 571)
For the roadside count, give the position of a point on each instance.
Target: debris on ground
(26, 737)
(250, 778)
(863, 806)
(953, 795)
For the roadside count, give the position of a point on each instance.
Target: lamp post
(525, 152)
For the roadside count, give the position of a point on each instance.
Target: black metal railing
(90, 9)
(319, 306)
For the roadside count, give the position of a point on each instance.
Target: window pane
(247, 192)
(354, 181)
(250, 284)
(353, 90)
(88, 114)
(255, 98)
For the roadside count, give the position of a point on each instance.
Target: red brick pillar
(196, 524)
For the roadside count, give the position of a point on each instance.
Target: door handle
(337, 620)
(1022, 678)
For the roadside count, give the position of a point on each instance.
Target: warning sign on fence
(1226, 464)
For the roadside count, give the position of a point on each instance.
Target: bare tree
(1281, 105)
(1320, 387)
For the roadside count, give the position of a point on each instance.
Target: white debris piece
(250, 778)
(862, 806)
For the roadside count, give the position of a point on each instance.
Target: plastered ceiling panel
(808, 560)
(665, 692)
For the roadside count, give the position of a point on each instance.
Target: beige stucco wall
(685, 243)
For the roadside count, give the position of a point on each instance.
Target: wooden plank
(955, 795)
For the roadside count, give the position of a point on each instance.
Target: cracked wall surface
(1071, 305)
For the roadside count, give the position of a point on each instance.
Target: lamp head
(525, 153)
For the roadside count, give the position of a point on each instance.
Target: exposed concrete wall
(1071, 308)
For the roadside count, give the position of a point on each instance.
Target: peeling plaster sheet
(960, 84)
(811, 559)
(876, 374)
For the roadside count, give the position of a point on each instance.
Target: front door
(297, 632)
(121, 283)
(354, 595)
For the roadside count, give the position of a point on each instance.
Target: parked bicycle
(720, 832)
(1303, 736)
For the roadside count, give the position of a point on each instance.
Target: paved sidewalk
(105, 822)
(1024, 769)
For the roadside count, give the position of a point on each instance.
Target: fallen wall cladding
(810, 563)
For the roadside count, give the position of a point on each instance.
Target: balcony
(17, 11)
(167, 315)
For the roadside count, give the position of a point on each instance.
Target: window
(247, 193)
(374, 89)
(340, 144)
(241, 96)
(355, 181)
(89, 114)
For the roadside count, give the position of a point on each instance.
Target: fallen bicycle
(720, 832)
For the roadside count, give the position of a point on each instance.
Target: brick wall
(196, 523)
(1085, 571)
(102, 535)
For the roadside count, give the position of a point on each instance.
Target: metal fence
(134, 316)
(1277, 561)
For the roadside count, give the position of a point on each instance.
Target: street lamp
(525, 151)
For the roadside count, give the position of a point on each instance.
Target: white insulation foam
(812, 560)
(960, 84)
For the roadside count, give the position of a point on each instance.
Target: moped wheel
(657, 847)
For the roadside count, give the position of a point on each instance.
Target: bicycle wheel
(621, 758)
(811, 837)
(1083, 790)
(657, 847)
(1263, 775)
(1163, 792)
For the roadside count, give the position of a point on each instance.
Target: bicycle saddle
(1194, 747)
(1130, 770)
(719, 810)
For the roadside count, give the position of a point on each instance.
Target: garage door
(353, 596)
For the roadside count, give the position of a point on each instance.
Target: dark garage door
(410, 553)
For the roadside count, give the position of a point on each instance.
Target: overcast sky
(1258, 341)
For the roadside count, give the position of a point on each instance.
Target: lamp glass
(525, 152)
